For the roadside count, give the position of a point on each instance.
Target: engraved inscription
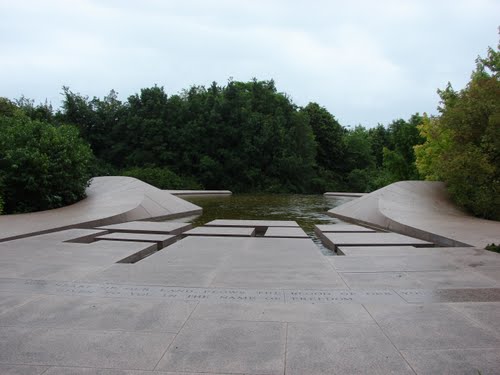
(233, 295)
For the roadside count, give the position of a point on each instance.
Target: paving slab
(164, 227)
(244, 262)
(251, 223)
(285, 232)
(87, 237)
(227, 347)
(106, 371)
(450, 295)
(162, 240)
(281, 312)
(492, 274)
(221, 231)
(58, 347)
(10, 300)
(105, 254)
(418, 280)
(73, 312)
(53, 256)
(31, 270)
(393, 263)
(370, 239)
(477, 259)
(333, 348)
(273, 277)
(406, 250)
(486, 314)
(384, 250)
(150, 274)
(65, 235)
(454, 361)
(341, 228)
(22, 370)
(227, 253)
(433, 326)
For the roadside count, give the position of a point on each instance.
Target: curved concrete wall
(420, 209)
(109, 200)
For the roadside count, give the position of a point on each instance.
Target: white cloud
(366, 61)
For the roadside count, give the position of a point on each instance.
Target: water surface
(306, 210)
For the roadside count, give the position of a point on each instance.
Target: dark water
(306, 210)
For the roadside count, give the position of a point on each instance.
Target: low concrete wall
(420, 209)
(109, 200)
(343, 194)
(199, 193)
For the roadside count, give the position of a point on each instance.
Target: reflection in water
(306, 210)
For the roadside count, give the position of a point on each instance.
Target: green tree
(358, 146)
(463, 142)
(328, 135)
(399, 155)
(379, 139)
(162, 178)
(41, 166)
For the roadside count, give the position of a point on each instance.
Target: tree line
(244, 136)
(249, 137)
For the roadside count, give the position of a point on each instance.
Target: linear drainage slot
(140, 255)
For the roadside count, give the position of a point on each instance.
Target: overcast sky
(367, 62)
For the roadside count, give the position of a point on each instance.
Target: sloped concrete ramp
(420, 209)
(109, 200)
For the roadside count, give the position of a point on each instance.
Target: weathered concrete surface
(420, 209)
(344, 194)
(332, 240)
(254, 305)
(227, 346)
(166, 227)
(109, 200)
(49, 257)
(382, 250)
(282, 232)
(221, 231)
(339, 228)
(199, 193)
(161, 240)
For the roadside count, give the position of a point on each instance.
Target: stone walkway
(252, 305)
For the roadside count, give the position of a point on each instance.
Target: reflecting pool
(306, 210)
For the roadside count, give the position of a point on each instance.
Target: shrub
(462, 145)
(493, 247)
(162, 178)
(41, 166)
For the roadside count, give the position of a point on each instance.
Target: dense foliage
(462, 145)
(162, 178)
(42, 166)
(248, 137)
(245, 136)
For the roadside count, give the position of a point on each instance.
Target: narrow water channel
(306, 210)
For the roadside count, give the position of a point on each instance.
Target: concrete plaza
(221, 303)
